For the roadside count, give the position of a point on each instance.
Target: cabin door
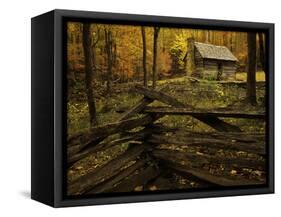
(220, 71)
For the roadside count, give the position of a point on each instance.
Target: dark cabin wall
(210, 69)
(229, 70)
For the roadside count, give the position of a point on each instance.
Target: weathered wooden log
(109, 170)
(74, 154)
(136, 109)
(218, 124)
(136, 180)
(158, 95)
(147, 131)
(162, 183)
(226, 143)
(72, 150)
(74, 157)
(214, 179)
(202, 112)
(198, 160)
(247, 137)
(157, 128)
(182, 135)
(111, 183)
(212, 121)
(101, 132)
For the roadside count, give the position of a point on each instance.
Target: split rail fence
(144, 161)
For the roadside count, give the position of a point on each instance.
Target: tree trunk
(144, 56)
(207, 36)
(231, 37)
(108, 48)
(154, 67)
(262, 51)
(251, 72)
(190, 56)
(89, 74)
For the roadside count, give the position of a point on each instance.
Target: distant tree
(251, 72)
(262, 50)
(95, 38)
(190, 56)
(224, 38)
(89, 75)
(155, 47)
(231, 37)
(207, 36)
(179, 52)
(144, 56)
(109, 54)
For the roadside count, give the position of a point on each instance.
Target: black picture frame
(48, 85)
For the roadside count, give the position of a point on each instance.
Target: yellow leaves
(200, 153)
(222, 167)
(192, 184)
(242, 76)
(153, 188)
(70, 172)
(182, 162)
(257, 173)
(233, 172)
(138, 188)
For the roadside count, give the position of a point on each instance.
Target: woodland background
(120, 56)
(126, 46)
(106, 62)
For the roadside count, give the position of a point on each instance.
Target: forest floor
(205, 95)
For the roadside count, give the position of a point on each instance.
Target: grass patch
(242, 76)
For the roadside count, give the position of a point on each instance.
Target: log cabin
(214, 62)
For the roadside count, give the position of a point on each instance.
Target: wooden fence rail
(212, 121)
(143, 160)
(203, 112)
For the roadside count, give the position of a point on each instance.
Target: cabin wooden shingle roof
(209, 51)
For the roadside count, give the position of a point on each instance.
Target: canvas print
(156, 109)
